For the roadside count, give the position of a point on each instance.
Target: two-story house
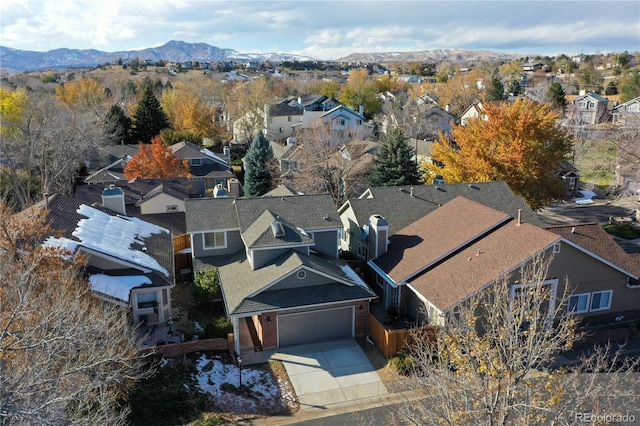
(207, 168)
(589, 108)
(627, 114)
(277, 258)
(129, 262)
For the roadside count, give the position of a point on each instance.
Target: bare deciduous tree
(46, 151)
(328, 162)
(496, 361)
(66, 357)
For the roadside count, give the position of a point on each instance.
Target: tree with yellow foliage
(361, 90)
(83, 94)
(495, 361)
(188, 113)
(518, 143)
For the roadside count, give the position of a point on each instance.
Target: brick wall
(269, 331)
(362, 317)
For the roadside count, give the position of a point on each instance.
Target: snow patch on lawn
(267, 394)
(586, 197)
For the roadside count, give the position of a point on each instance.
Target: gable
(437, 235)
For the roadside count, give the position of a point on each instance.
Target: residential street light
(240, 369)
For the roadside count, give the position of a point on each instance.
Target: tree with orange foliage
(518, 143)
(155, 161)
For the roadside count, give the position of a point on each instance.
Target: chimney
(233, 188)
(220, 192)
(113, 199)
(378, 235)
(299, 101)
(519, 220)
(46, 200)
(291, 141)
(447, 107)
(361, 110)
(226, 152)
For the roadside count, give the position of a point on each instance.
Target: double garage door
(315, 326)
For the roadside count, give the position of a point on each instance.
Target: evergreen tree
(611, 89)
(149, 118)
(257, 178)
(556, 96)
(116, 126)
(495, 91)
(394, 164)
(514, 88)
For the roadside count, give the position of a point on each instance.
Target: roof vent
(278, 229)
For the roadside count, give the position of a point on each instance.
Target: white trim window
(590, 302)
(214, 240)
(600, 300)
(579, 303)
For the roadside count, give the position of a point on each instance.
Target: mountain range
(180, 51)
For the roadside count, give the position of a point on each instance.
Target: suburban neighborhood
(274, 242)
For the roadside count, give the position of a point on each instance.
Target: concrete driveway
(329, 373)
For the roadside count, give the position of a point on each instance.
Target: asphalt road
(600, 211)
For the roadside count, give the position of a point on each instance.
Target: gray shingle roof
(309, 212)
(401, 208)
(206, 214)
(239, 282)
(260, 233)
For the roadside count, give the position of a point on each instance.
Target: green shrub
(403, 364)
(207, 286)
(217, 328)
(626, 231)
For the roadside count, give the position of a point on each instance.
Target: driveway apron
(328, 373)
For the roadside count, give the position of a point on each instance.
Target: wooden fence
(389, 342)
(174, 350)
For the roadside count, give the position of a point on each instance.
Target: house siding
(326, 242)
(234, 243)
(292, 281)
(262, 257)
(159, 203)
(586, 275)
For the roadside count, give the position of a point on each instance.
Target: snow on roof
(353, 276)
(112, 235)
(118, 287)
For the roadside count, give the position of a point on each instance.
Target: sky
(324, 29)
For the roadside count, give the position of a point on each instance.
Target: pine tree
(394, 164)
(556, 96)
(116, 126)
(257, 178)
(495, 91)
(514, 88)
(149, 118)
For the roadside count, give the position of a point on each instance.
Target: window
(146, 300)
(601, 300)
(359, 122)
(579, 303)
(195, 161)
(289, 118)
(214, 239)
(590, 302)
(281, 129)
(301, 274)
(172, 208)
(556, 248)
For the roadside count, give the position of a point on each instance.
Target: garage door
(316, 326)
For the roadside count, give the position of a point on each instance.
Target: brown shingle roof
(471, 269)
(593, 238)
(437, 235)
